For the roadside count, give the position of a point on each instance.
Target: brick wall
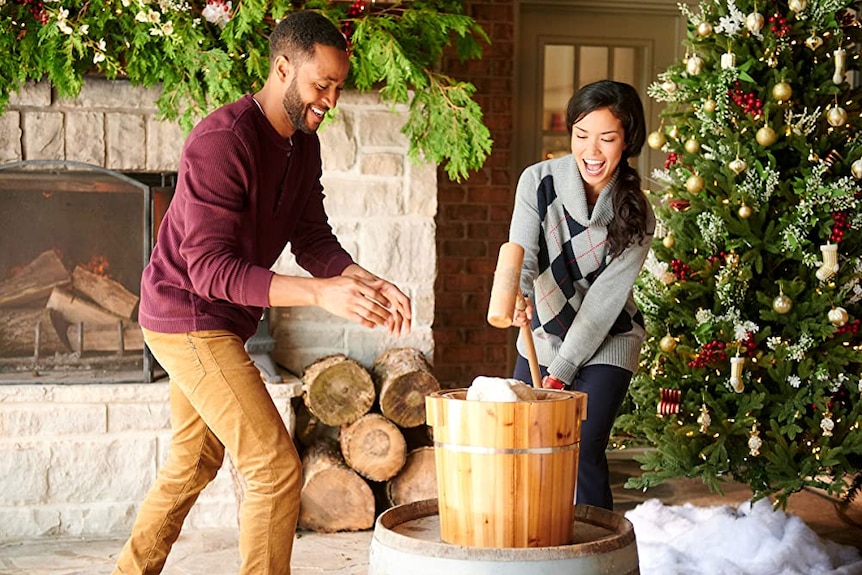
(473, 216)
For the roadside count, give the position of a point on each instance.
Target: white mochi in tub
(499, 389)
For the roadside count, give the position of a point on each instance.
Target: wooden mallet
(506, 296)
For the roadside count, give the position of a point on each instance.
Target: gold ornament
(797, 5)
(692, 146)
(856, 169)
(704, 29)
(754, 22)
(765, 136)
(694, 184)
(694, 66)
(737, 166)
(836, 116)
(656, 140)
(782, 91)
(667, 343)
(709, 106)
(838, 316)
(669, 86)
(744, 212)
(814, 42)
(782, 304)
(668, 241)
(754, 442)
(673, 132)
(704, 419)
(728, 60)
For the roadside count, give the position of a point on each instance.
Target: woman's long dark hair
(630, 206)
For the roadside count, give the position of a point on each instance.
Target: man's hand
(369, 300)
(356, 294)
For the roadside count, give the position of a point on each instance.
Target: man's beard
(295, 108)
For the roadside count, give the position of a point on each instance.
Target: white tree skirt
(734, 540)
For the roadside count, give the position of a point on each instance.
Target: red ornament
(840, 225)
(711, 352)
(669, 400)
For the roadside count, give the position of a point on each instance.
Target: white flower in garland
(773, 342)
(741, 330)
(712, 229)
(217, 12)
(62, 23)
(99, 55)
(794, 381)
(797, 351)
(733, 22)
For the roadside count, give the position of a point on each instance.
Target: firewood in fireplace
(121, 336)
(21, 327)
(109, 294)
(74, 308)
(373, 446)
(35, 281)
(337, 390)
(333, 497)
(402, 378)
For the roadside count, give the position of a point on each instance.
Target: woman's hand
(522, 315)
(551, 382)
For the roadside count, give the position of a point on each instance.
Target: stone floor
(214, 552)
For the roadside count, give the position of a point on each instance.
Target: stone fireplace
(77, 456)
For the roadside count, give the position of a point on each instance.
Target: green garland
(205, 53)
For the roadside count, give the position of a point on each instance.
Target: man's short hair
(295, 36)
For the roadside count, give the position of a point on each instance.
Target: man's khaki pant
(218, 402)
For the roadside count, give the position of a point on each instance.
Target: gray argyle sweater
(583, 309)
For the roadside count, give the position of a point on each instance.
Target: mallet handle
(527, 334)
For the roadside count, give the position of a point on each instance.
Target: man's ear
(283, 68)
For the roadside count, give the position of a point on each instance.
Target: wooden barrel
(506, 471)
(407, 539)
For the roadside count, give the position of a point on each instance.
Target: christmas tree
(751, 369)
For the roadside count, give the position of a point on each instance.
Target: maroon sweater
(243, 192)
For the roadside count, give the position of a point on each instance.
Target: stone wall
(77, 459)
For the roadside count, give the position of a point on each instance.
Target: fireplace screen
(75, 239)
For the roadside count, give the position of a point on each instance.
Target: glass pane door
(567, 67)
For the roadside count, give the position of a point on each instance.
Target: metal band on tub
(479, 450)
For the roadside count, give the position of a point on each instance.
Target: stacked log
(357, 460)
(334, 497)
(402, 379)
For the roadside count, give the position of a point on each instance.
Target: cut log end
(374, 447)
(416, 481)
(338, 390)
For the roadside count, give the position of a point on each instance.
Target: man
(249, 183)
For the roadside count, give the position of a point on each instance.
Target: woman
(586, 228)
